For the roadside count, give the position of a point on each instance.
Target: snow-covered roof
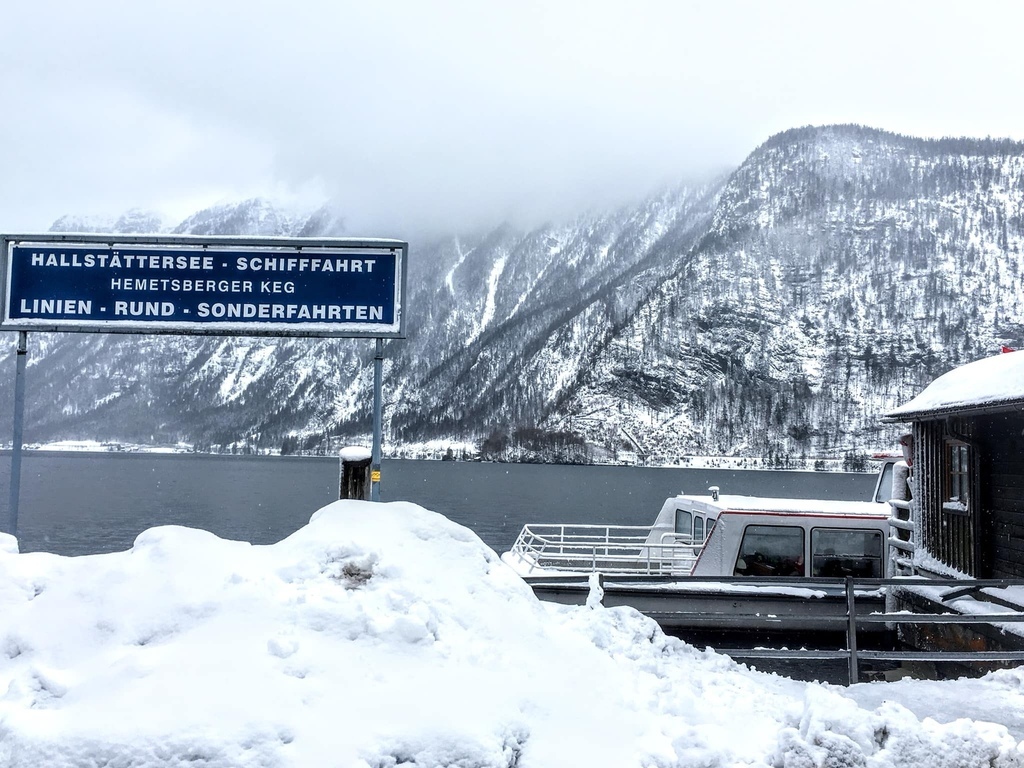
(992, 383)
(816, 506)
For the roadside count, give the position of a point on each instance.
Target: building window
(958, 477)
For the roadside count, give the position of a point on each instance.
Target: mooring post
(16, 439)
(851, 630)
(378, 420)
(355, 473)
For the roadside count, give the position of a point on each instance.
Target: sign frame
(221, 245)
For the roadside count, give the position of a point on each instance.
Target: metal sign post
(214, 286)
(378, 420)
(16, 440)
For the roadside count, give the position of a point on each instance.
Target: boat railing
(610, 549)
(901, 537)
(901, 523)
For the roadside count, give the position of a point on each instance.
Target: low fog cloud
(447, 115)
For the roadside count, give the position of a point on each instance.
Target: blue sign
(211, 289)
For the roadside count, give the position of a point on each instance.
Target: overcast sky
(448, 114)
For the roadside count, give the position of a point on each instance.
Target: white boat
(715, 535)
(721, 563)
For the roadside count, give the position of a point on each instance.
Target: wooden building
(967, 470)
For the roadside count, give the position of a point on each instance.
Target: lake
(87, 503)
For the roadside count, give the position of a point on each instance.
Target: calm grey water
(87, 503)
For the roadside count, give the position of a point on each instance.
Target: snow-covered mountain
(774, 312)
(842, 269)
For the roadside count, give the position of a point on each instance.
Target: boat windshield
(842, 552)
(771, 550)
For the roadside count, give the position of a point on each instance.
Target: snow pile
(990, 381)
(383, 635)
(8, 544)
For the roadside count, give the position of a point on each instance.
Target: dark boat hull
(781, 606)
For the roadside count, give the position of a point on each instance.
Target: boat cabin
(750, 536)
(721, 536)
(967, 470)
(682, 526)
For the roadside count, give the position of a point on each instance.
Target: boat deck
(721, 603)
(555, 548)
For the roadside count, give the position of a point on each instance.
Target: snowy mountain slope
(516, 352)
(843, 269)
(777, 312)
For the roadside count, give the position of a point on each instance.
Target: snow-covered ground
(384, 635)
(93, 446)
(439, 449)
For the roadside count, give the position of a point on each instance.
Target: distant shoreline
(729, 463)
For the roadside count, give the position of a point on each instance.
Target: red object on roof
(1006, 349)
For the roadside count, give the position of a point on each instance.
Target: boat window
(698, 529)
(771, 550)
(846, 552)
(683, 521)
(883, 488)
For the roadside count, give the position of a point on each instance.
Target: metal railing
(854, 619)
(609, 549)
(901, 532)
(893, 619)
